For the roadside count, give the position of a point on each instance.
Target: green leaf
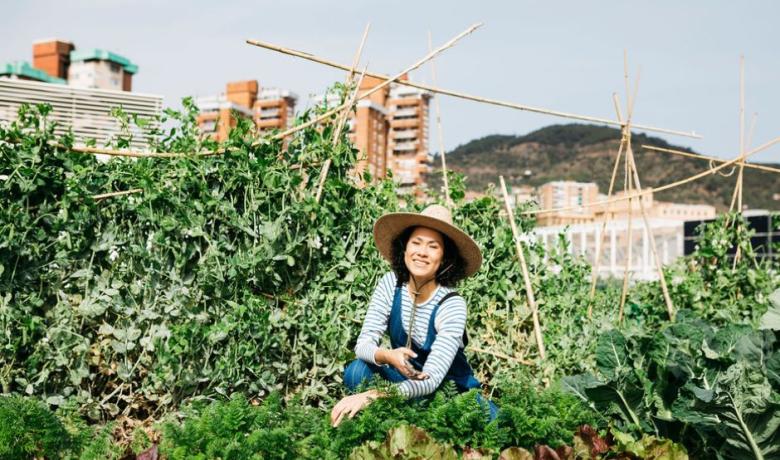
(611, 355)
(91, 307)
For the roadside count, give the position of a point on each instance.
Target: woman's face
(424, 253)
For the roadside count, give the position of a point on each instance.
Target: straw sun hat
(436, 217)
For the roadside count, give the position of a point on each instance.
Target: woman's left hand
(351, 405)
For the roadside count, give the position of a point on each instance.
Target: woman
(415, 303)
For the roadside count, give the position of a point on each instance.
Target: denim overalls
(460, 371)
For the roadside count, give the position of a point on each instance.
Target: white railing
(585, 239)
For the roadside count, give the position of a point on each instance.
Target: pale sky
(566, 56)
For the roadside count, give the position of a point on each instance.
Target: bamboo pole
(737, 197)
(709, 158)
(662, 188)
(627, 180)
(130, 153)
(634, 176)
(600, 243)
(103, 196)
(497, 354)
(630, 245)
(526, 277)
(355, 61)
(442, 154)
(326, 166)
(388, 80)
(653, 248)
(461, 95)
(344, 113)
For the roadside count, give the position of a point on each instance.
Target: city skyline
(565, 56)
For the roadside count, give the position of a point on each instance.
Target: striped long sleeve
(377, 317)
(450, 324)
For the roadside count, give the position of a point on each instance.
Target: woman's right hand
(399, 359)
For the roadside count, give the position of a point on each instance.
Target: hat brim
(388, 227)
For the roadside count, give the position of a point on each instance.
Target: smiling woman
(416, 304)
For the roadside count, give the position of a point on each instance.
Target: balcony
(270, 112)
(412, 112)
(408, 123)
(405, 147)
(404, 134)
(269, 123)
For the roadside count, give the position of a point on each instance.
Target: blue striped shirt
(450, 324)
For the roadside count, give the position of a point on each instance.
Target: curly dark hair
(447, 277)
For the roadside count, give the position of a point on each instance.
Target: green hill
(587, 153)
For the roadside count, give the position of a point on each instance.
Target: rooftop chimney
(52, 57)
(243, 93)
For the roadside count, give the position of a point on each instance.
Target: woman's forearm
(380, 356)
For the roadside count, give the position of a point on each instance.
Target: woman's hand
(351, 405)
(399, 359)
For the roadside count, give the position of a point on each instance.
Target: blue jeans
(359, 371)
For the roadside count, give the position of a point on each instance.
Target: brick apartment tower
(268, 108)
(369, 130)
(408, 135)
(238, 95)
(52, 57)
(274, 109)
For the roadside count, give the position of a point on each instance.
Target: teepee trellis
(631, 181)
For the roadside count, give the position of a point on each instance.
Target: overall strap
(432, 321)
(395, 325)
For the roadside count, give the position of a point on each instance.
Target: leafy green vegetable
(404, 442)
(709, 387)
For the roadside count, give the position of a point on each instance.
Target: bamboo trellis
(649, 191)
(708, 158)
(387, 81)
(345, 113)
(461, 95)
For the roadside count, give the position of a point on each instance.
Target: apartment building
(274, 109)
(368, 129)
(269, 108)
(586, 234)
(567, 194)
(59, 62)
(407, 140)
(81, 103)
(390, 130)
(97, 68)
